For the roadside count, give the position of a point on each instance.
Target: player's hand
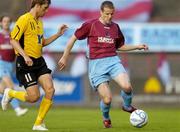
(62, 29)
(28, 60)
(62, 63)
(143, 46)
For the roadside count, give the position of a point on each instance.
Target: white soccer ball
(138, 118)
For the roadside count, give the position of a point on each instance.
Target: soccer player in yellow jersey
(28, 40)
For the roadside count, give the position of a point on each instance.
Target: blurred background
(155, 75)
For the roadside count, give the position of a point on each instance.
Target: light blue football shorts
(6, 68)
(104, 69)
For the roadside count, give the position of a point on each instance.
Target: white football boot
(40, 127)
(5, 99)
(21, 111)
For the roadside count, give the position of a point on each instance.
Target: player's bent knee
(107, 100)
(33, 99)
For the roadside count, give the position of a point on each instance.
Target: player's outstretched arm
(133, 47)
(63, 60)
(60, 32)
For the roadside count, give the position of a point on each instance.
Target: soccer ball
(138, 118)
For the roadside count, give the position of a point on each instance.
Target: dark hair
(1, 17)
(40, 2)
(108, 4)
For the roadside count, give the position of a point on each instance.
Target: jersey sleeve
(19, 28)
(83, 31)
(120, 40)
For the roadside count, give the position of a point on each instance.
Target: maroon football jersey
(6, 54)
(103, 40)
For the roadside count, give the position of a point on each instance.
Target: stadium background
(154, 22)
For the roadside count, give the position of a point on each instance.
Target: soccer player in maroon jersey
(104, 38)
(7, 57)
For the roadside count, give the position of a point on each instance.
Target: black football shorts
(28, 75)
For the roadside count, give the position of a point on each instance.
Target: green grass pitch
(90, 120)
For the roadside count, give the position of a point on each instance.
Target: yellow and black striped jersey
(29, 32)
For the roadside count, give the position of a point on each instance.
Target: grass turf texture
(90, 120)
